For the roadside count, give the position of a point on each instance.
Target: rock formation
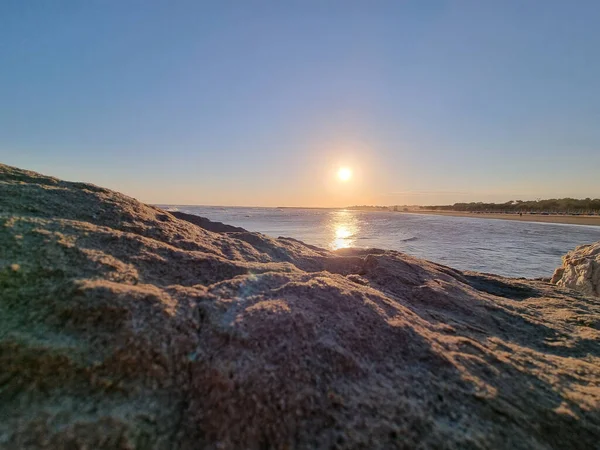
(203, 222)
(580, 270)
(124, 327)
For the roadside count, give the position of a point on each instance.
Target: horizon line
(364, 205)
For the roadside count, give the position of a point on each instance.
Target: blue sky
(259, 103)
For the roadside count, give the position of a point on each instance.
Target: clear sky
(260, 102)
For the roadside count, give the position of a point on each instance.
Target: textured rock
(122, 326)
(580, 270)
(203, 222)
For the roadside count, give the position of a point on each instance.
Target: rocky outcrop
(203, 222)
(122, 326)
(580, 270)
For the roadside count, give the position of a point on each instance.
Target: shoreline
(553, 218)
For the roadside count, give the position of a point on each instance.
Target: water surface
(504, 247)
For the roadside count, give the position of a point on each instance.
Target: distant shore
(551, 218)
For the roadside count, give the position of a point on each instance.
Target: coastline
(559, 219)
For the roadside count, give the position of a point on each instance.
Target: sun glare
(344, 174)
(343, 228)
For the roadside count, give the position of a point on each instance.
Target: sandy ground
(574, 220)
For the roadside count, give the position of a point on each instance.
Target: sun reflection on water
(344, 227)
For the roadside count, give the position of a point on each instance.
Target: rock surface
(580, 270)
(203, 222)
(124, 327)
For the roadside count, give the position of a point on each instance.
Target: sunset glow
(343, 227)
(344, 174)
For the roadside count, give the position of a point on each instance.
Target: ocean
(503, 247)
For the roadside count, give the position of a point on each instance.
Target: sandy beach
(572, 220)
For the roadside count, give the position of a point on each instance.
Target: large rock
(122, 326)
(580, 270)
(203, 222)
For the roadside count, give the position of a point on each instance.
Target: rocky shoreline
(124, 326)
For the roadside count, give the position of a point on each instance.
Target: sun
(344, 173)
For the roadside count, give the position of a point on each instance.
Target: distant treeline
(557, 206)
